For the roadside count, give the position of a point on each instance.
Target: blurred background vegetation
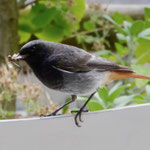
(117, 37)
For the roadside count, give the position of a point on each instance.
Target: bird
(71, 70)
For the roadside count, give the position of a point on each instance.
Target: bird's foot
(76, 111)
(51, 114)
(76, 118)
(79, 113)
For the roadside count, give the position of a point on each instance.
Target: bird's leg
(74, 97)
(81, 110)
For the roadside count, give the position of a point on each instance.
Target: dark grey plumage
(68, 69)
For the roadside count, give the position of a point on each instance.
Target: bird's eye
(33, 49)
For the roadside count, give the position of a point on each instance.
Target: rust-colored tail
(115, 75)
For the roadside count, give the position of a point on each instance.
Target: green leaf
(24, 36)
(121, 37)
(103, 53)
(41, 15)
(110, 19)
(78, 8)
(145, 34)
(51, 33)
(147, 13)
(147, 99)
(74, 110)
(117, 90)
(121, 50)
(66, 108)
(127, 26)
(79, 98)
(137, 27)
(47, 23)
(103, 93)
(80, 38)
(138, 99)
(147, 90)
(119, 18)
(93, 105)
(123, 100)
(89, 25)
(115, 87)
(25, 24)
(143, 51)
(87, 38)
(117, 26)
(38, 17)
(147, 24)
(61, 22)
(128, 18)
(141, 69)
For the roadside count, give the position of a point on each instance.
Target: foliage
(133, 42)
(107, 98)
(112, 98)
(51, 20)
(61, 21)
(133, 48)
(94, 29)
(118, 37)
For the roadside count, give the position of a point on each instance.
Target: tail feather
(115, 75)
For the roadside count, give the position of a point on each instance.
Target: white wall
(121, 1)
(121, 129)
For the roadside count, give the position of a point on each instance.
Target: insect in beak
(17, 57)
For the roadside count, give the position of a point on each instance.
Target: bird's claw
(76, 121)
(51, 114)
(42, 115)
(79, 114)
(80, 119)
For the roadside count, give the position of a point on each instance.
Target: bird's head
(35, 51)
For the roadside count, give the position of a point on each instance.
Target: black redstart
(70, 69)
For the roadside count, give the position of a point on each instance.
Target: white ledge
(115, 129)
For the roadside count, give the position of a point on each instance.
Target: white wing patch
(62, 70)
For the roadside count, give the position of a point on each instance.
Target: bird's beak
(17, 57)
(20, 57)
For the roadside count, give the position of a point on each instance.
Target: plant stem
(131, 43)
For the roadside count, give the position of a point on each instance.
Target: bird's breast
(49, 76)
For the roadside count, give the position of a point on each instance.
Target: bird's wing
(69, 63)
(72, 59)
(102, 64)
